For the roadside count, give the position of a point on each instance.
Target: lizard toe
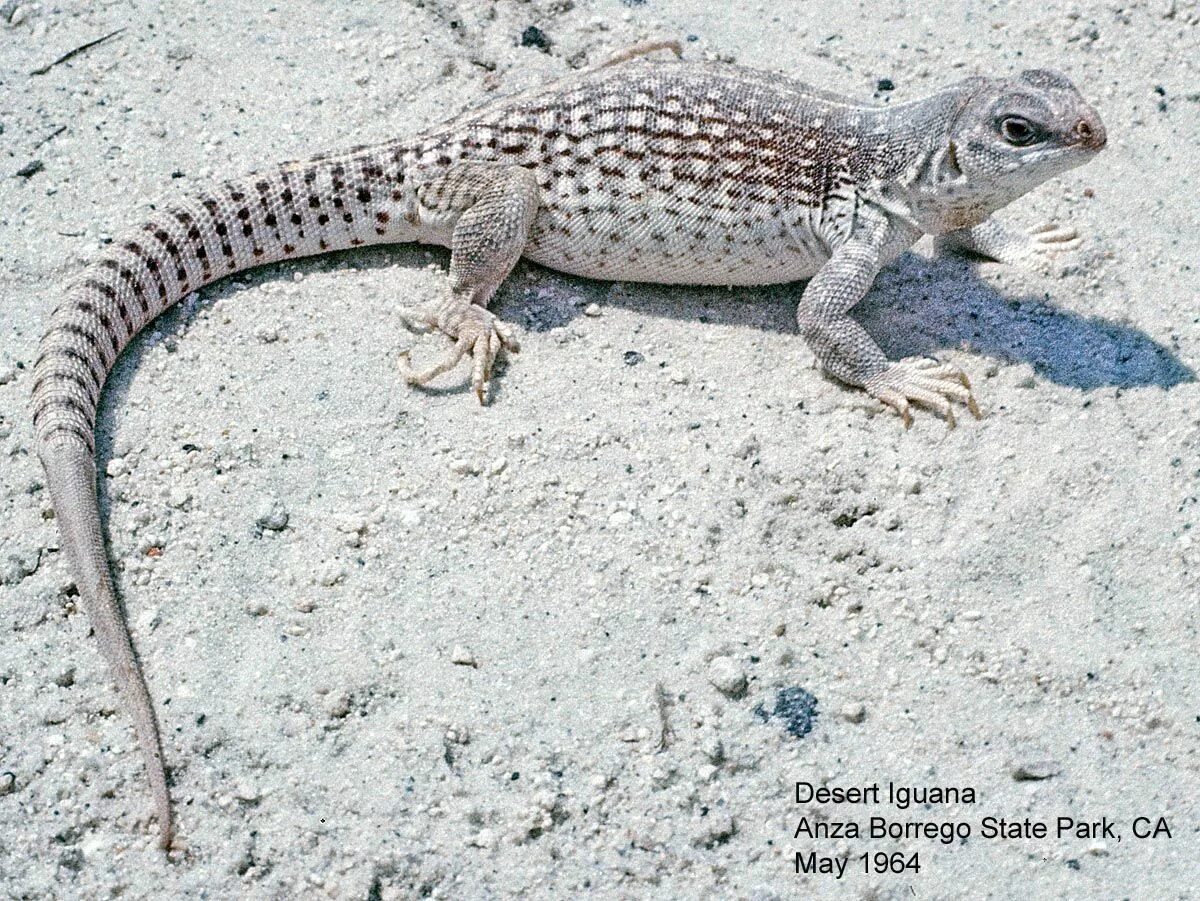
(476, 332)
(927, 383)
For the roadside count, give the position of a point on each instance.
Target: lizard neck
(919, 179)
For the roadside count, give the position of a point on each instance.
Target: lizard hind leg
(497, 204)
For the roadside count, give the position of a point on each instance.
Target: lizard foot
(474, 330)
(926, 382)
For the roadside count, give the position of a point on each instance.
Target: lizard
(676, 172)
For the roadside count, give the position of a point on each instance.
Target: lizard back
(646, 169)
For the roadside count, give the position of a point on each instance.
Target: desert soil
(588, 638)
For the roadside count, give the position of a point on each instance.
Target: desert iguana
(675, 172)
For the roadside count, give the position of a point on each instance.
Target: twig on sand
(70, 53)
(50, 137)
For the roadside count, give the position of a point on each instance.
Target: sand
(589, 638)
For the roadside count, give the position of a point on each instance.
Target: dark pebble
(796, 707)
(535, 37)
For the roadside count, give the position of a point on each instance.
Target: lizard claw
(475, 331)
(926, 382)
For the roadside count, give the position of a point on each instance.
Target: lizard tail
(299, 209)
(71, 478)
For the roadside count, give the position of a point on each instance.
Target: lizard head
(1015, 133)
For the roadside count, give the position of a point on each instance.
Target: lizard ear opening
(952, 165)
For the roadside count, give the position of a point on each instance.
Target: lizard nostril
(1090, 133)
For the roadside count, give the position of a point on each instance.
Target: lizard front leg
(847, 352)
(495, 206)
(993, 240)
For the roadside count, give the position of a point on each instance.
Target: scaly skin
(658, 172)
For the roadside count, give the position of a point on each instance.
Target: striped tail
(323, 205)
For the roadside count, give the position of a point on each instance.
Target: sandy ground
(403, 646)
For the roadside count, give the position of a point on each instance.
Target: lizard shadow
(917, 307)
(923, 305)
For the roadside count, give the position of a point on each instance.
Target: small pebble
(853, 713)
(338, 705)
(465, 467)
(620, 519)
(535, 37)
(271, 516)
(593, 310)
(484, 838)
(247, 791)
(727, 676)
(331, 573)
(462, 656)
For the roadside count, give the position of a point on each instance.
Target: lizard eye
(1018, 131)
